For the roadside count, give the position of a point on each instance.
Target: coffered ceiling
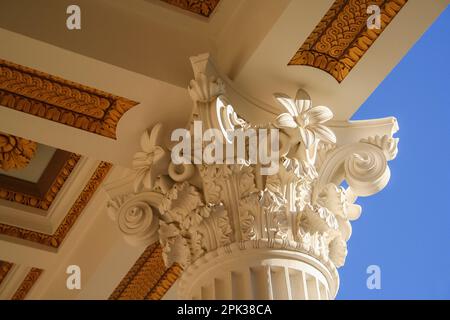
(341, 38)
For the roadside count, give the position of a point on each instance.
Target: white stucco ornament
(151, 160)
(307, 121)
(239, 234)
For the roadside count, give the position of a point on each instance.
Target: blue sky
(405, 229)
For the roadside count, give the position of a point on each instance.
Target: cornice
(66, 102)
(327, 50)
(54, 240)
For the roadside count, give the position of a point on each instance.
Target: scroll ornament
(193, 209)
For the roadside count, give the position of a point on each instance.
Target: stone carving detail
(15, 152)
(207, 208)
(341, 38)
(150, 161)
(385, 143)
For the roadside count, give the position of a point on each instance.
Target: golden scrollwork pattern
(148, 278)
(341, 38)
(27, 283)
(15, 152)
(52, 98)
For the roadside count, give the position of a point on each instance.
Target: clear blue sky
(405, 229)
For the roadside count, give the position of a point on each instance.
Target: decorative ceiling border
(66, 102)
(55, 240)
(201, 7)
(148, 278)
(27, 283)
(43, 202)
(5, 267)
(341, 38)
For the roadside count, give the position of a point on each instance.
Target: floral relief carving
(182, 211)
(206, 209)
(385, 143)
(15, 152)
(213, 177)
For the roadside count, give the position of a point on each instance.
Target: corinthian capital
(228, 222)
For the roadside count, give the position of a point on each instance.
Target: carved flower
(204, 88)
(175, 247)
(303, 119)
(15, 152)
(151, 161)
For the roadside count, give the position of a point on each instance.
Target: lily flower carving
(304, 121)
(151, 162)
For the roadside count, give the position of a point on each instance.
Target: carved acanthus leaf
(204, 88)
(15, 152)
(385, 143)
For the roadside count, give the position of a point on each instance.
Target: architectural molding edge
(148, 278)
(49, 97)
(339, 59)
(54, 240)
(201, 212)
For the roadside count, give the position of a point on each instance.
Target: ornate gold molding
(15, 152)
(27, 283)
(49, 97)
(75, 211)
(148, 278)
(341, 38)
(43, 202)
(165, 282)
(201, 7)
(4, 269)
